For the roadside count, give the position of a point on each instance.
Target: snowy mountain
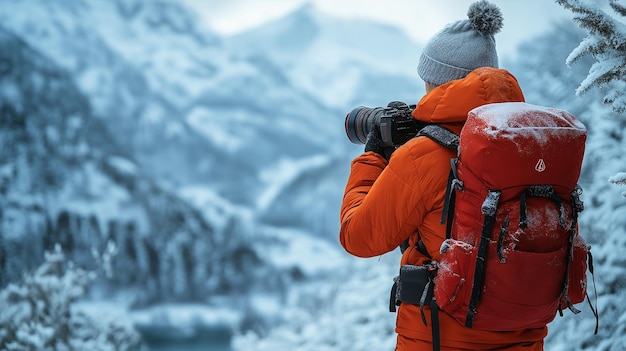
(345, 63)
(190, 112)
(122, 121)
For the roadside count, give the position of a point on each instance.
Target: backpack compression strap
(488, 208)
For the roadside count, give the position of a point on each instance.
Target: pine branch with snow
(606, 42)
(619, 179)
(38, 314)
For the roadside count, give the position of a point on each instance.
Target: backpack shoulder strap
(441, 136)
(449, 140)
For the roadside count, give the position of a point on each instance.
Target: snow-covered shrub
(38, 314)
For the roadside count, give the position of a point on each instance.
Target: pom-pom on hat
(462, 46)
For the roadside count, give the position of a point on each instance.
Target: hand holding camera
(374, 143)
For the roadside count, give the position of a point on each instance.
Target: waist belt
(415, 285)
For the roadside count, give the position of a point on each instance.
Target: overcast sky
(420, 18)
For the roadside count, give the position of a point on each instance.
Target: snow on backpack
(513, 257)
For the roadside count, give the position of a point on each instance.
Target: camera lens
(360, 121)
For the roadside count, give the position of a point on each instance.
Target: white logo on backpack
(540, 166)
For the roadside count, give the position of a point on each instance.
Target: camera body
(394, 122)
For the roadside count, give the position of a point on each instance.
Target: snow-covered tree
(39, 314)
(606, 42)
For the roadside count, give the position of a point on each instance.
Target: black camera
(395, 123)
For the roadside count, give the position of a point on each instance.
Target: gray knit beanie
(462, 46)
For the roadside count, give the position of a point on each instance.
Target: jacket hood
(450, 102)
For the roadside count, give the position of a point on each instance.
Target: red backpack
(513, 256)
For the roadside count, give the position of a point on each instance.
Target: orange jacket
(387, 202)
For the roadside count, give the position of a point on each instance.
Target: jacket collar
(450, 103)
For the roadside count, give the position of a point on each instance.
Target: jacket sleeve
(382, 205)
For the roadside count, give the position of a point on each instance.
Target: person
(387, 202)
